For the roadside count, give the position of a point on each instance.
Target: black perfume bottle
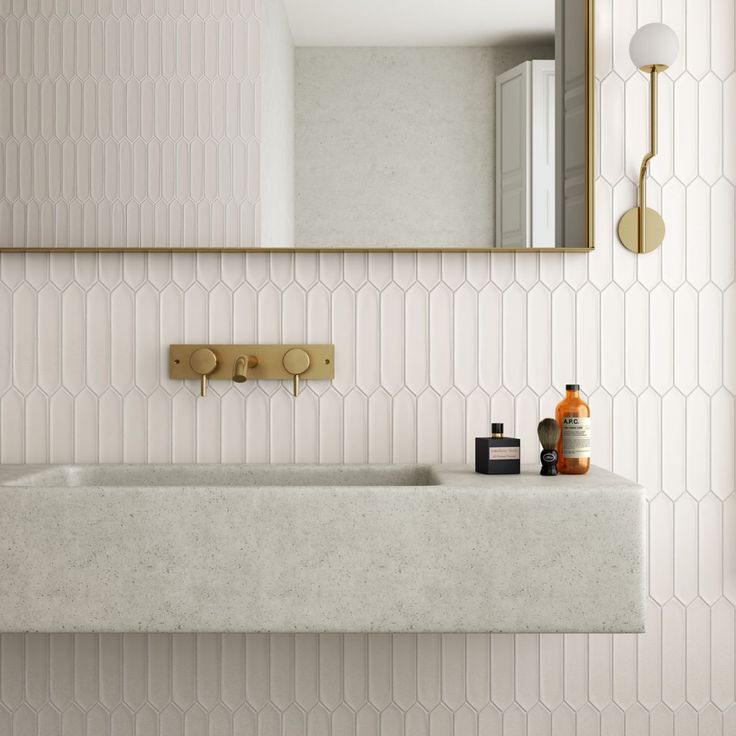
(497, 455)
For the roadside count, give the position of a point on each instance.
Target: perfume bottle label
(503, 453)
(576, 437)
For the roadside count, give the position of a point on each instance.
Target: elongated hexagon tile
(661, 541)
(710, 128)
(698, 654)
(722, 654)
(723, 222)
(686, 115)
(366, 721)
(343, 721)
(404, 673)
(563, 721)
(697, 46)
(613, 128)
(674, 654)
(600, 669)
(624, 670)
(710, 720)
(428, 670)
(502, 670)
(551, 653)
(729, 138)
(685, 553)
(710, 556)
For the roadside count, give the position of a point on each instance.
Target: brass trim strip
(559, 250)
(590, 119)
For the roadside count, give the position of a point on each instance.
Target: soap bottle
(497, 455)
(573, 447)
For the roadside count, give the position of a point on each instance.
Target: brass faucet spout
(242, 363)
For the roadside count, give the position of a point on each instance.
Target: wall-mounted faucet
(242, 363)
(240, 370)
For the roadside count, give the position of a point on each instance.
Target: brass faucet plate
(270, 366)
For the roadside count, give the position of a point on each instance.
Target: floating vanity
(317, 548)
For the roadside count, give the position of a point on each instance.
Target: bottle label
(503, 453)
(575, 437)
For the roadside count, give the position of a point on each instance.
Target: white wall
(428, 348)
(276, 87)
(397, 145)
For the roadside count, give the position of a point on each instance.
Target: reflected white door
(513, 196)
(525, 156)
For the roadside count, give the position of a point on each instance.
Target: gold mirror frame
(589, 26)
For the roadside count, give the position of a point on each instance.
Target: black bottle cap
(572, 387)
(496, 428)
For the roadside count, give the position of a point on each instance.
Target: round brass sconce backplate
(628, 230)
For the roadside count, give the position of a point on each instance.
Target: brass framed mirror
(297, 125)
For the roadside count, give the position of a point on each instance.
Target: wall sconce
(653, 48)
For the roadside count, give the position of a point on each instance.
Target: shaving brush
(549, 433)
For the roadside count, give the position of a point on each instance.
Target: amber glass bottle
(573, 447)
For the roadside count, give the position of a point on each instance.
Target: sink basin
(318, 548)
(221, 476)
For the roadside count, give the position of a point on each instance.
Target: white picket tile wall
(428, 348)
(133, 124)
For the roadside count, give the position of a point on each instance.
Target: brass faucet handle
(203, 361)
(242, 363)
(296, 361)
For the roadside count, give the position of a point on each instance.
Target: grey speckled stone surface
(318, 548)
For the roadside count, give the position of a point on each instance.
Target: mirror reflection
(311, 124)
(451, 124)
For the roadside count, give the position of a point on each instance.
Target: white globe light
(654, 43)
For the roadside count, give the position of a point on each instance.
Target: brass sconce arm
(641, 229)
(644, 171)
(653, 48)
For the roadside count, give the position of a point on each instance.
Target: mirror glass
(450, 124)
(307, 124)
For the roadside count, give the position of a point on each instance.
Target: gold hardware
(641, 229)
(203, 361)
(629, 227)
(296, 361)
(242, 363)
(254, 362)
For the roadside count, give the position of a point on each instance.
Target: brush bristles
(549, 432)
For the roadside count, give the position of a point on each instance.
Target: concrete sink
(318, 548)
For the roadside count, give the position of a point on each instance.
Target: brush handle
(549, 462)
